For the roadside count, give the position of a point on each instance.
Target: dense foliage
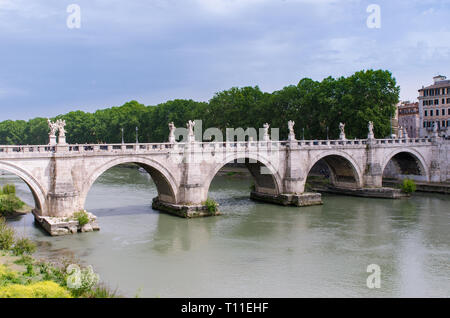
(408, 186)
(365, 96)
(9, 202)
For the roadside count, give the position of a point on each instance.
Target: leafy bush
(9, 189)
(211, 205)
(408, 186)
(80, 280)
(7, 235)
(24, 246)
(7, 276)
(82, 217)
(10, 203)
(44, 289)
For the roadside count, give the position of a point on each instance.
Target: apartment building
(434, 107)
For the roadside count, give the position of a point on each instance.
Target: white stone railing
(27, 149)
(404, 141)
(9, 150)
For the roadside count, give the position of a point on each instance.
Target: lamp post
(122, 135)
(327, 132)
(137, 141)
(303, 129)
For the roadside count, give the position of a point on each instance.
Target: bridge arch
(268, 182)
(165, 182)
(35, 187)
(405, 162)
(344, 169)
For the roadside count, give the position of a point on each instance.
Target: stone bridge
(60, 176)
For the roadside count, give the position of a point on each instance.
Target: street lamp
(327, 132)
(303, 129)
(137, 141)
(122, 135)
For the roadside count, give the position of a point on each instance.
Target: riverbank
(23, 276)
(442, 188)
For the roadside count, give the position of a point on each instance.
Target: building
(434, 107)
(409, 118)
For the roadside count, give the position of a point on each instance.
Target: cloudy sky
(157, 50)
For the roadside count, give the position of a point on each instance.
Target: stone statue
(266, 132)
(53, 127)
(291, 135)
(172, 132)
(435, 128)
(342, 129)
(190, 126)
(291, 126)
(61, 127)
(370, 135)
(405, 133)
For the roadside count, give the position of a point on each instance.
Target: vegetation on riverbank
(408, 186)
(10, 204)
(316, 107)
(31, 278)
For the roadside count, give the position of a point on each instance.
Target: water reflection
(255, 249)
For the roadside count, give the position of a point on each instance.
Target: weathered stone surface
(184, 211)
(60, 176)
(64, 226)
(87, 228)
(303, 199)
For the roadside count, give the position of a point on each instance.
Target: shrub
(24, 246)
(211, 205)
(10, 203)
(44, 289)
(82, 217)
(9, 189)
(79, 280)
(7, 276)
(7, 235)
(408, 186)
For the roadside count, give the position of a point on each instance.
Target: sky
(158, 50)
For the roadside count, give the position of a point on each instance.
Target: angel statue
(291, 124)
(53, 127)
(61, 126)
(370, 126)
(172, 132)
(190, 125)
(266, 132)
(342, 129)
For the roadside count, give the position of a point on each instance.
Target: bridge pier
(299, 200)
(183, 210)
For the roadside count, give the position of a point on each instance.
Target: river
(255, 249)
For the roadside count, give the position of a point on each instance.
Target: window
(437, 112)
(436, 101)
(443, 112)
(443, 123)
(443, 101)
(426, 113)
(431, 112)
(448, 100)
